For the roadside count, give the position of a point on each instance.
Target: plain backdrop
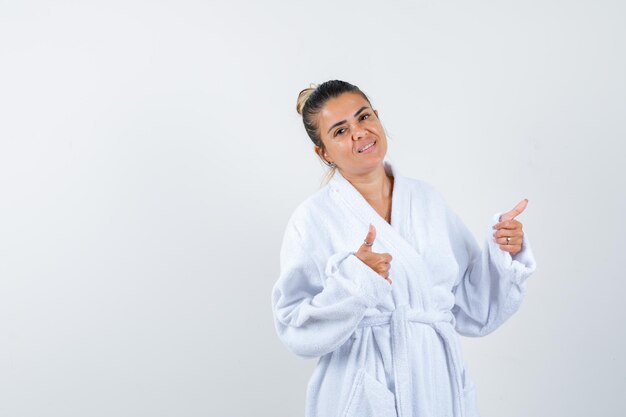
(151, 154)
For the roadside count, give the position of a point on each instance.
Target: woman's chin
(370, 163)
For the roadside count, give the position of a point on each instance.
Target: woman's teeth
(367, 147)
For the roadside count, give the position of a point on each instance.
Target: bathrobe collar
(393, 235)
(400, 202)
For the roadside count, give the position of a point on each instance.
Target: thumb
(369, 238)
(516, 210)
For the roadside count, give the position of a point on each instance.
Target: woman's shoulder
(306, 213)
(422, 188)
(426, 197)
(418, 184)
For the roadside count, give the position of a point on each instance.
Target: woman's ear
(320, 153)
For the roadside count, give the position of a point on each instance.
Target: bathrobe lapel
(391, 234)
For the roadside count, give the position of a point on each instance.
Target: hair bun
(304, 96)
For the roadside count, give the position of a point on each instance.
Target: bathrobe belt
(443, 323)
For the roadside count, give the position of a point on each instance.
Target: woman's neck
(374, 186)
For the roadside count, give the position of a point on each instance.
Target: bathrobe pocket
(368, 398)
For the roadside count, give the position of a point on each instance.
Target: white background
(151, 153)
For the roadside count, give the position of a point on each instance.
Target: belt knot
(398, 319)
(406, 313)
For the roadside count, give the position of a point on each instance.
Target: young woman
(379, 276)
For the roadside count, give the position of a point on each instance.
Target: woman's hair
(311, 100)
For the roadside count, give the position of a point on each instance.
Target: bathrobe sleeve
(491, 283)
(316, 305)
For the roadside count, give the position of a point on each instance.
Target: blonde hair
(304, 96)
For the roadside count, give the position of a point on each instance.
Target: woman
(379, 276)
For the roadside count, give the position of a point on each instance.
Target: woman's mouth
(367, 148)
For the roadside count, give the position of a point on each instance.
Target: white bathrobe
(390, 349)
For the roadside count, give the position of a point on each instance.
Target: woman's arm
(491, 283)
(316, 311)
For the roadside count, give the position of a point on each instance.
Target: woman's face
(352, 134)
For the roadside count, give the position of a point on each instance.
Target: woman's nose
(358, 132)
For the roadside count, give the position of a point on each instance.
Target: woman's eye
(365, 116)
(339, 131)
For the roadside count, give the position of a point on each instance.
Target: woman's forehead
(342, 107)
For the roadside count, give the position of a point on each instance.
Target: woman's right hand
(379, 262)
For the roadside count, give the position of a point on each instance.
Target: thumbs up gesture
(509, 232)
(379, 262)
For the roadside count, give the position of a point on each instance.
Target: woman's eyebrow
(343, 121)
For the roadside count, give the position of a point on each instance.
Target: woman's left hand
(509, 232)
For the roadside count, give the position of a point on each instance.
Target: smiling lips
(366, 147)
